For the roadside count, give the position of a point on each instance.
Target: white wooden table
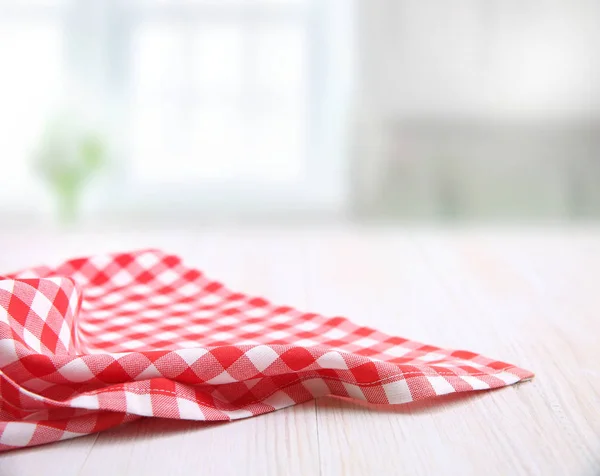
(526, 296)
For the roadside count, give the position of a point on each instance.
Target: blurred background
(185, 112)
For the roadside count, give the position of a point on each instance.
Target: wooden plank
(277, 443)
(64, 458)
(528, 297)
(466, 291)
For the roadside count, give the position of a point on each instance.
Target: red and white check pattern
(152, 337)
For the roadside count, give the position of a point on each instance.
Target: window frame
(105, 67)
(315, 191)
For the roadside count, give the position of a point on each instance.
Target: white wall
(476, 69)
(481, 57)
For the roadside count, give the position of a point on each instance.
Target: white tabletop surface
(526, 296)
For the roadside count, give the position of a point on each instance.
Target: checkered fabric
(108, 339)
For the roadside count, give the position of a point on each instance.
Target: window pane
(229, 145)
(216, 144)
(159, 143)
(219, 144)
(276, 147)
(159, 63)
(281, 66)
(238, 110)
(217, 58)
(31, 61)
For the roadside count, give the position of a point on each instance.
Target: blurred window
(219, 90)
(208, 98)
(31, 56)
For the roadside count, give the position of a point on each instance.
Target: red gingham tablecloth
(108, 339)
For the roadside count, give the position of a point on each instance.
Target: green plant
(67, 159)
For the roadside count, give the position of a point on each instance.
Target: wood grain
(525, 296)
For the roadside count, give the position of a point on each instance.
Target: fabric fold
(103, 340)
